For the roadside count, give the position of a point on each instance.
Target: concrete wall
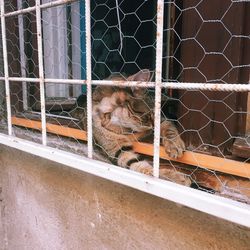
(45, 205)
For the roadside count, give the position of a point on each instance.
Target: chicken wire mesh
(11, 6)
(203, 42)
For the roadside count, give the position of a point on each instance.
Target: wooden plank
(61, 121)
(200, 160)
(241, 148)
(191, 158)
(51, 128)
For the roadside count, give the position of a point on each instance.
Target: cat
(124, 115)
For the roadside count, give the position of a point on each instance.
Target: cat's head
(130, 108)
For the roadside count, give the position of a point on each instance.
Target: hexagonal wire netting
(205, 43)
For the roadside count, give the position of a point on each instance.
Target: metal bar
(47, 80)
(22, 56)
(67, 81)
(89, 77)
(41, 70)
(207, 86)
(124, 83)
(83, 42)
(168, 34)
(81, 82)
(174, 85)
(6, 68)
(42, 6)
(19, 12)
(221, 207)
(158, 80)
(21, 79)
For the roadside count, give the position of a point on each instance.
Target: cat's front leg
(166, 174)
(171, 140)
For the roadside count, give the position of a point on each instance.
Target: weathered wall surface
(45, 205)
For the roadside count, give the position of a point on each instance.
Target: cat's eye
(139, 106)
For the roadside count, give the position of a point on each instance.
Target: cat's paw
(142, 167)
(174, 176)
(174, 147)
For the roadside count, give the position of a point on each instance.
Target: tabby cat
(124, 115)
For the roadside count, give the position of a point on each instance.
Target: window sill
(215, 205)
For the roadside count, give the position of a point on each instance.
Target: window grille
(196, 54)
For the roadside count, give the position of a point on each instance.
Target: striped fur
(120, 112)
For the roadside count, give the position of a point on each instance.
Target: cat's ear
(143, 75)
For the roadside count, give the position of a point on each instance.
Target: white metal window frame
(218, 206)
